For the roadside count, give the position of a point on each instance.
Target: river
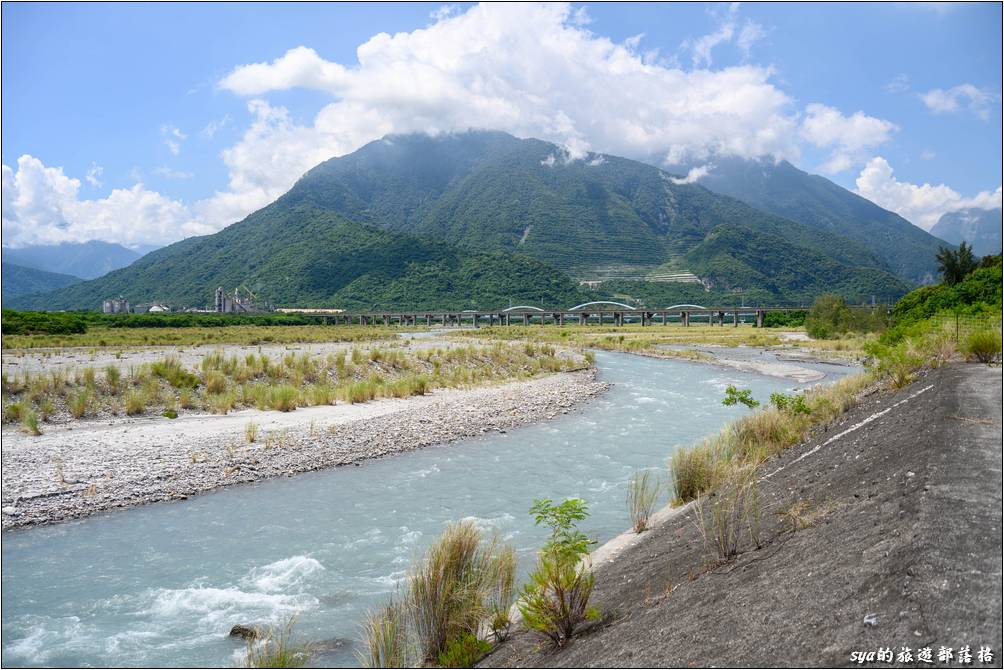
(161, 585)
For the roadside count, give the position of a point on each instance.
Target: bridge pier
(759, 318)
(664, 318)
(735, 318)
(685, 318)
(526, 319)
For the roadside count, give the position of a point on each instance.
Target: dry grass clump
(694, 470)
(135, 402)
(283, 398)
(385, 639)
(276, 649)
(729, 520)
(984, 346)
(642, 494)
(463, 583)
(29, 423)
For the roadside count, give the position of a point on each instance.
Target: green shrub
(79, 403)
(13, 411)
(898, 364)
(642, 494)
(169, 414)
(221, 403)
(793, 404)
(215, 383)
(170, 370)
(283, 397)
(795, 319)
(984, 346)
(463, 652)
(135, 402)
(113, 375)
(29, 422)
(46, 408)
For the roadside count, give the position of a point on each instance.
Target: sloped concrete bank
(882, 531)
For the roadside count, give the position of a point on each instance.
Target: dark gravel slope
(903, 526)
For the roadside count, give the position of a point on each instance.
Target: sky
(147, 123)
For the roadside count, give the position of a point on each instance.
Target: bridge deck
(603, 313)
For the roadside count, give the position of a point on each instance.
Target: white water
(161, 585)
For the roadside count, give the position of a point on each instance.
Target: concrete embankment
(91, 466)
(882, 531)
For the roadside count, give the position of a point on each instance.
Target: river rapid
(161, 584)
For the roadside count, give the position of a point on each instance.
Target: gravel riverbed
(99, 465)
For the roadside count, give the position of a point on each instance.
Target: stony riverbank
(102, 465)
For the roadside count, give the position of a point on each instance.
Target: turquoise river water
(161, 585)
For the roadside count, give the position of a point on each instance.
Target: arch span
(601, 302)
(686, 305)
(513, 309)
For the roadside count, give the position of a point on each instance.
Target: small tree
(955, 265)
(556, 600)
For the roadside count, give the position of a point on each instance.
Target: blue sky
(146, 123)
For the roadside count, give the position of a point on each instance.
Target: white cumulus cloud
(942, 101)
(531, 70)
(41, 205)
(848, 137)
(921, 204)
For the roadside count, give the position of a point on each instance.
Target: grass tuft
(642, 494)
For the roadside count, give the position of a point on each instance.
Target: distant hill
(301, 256)
(19, 280)
(473, 219)
(86, 259)
(784, 190)
(980, 227)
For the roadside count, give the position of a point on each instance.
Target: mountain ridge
(406, 221)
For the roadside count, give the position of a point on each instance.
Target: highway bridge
(601, 312)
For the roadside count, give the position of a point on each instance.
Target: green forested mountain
(19, 280)
(784, 190)
(475, 219)
(491, 189)
(300, 256)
